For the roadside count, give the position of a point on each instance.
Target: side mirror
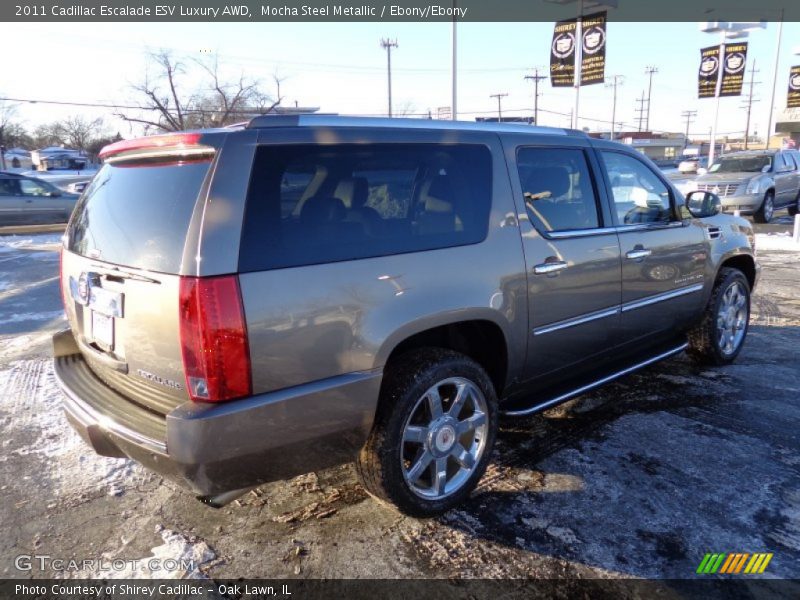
(703, 204)
(702, 171)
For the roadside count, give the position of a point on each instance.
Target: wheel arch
(745, 263)
(481, 338)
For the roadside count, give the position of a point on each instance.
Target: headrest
(353, 191)
(437, 195)
(322, 209)
(548, 179)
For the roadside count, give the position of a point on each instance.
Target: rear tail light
(155, 146)
(216, 356)
(61, 277)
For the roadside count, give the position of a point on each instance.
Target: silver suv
(755, 182)
(252, 303)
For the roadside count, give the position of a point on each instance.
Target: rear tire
(766, 210)
(422, 459)
(719, 337)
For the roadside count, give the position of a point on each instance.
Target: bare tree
(166, 105)
(7, 114)
(78, 132)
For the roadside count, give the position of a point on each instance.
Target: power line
(616, 80)
(536, 78)
(649, 71)
(387, 45)
(640, 109)
(499, 107)
(748, 106)
(689, 115)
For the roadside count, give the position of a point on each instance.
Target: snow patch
(776, 241)
(33, 423)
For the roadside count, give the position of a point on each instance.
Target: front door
(572, 257)
(663, 257)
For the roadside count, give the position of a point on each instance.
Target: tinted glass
(741, 164)
(33, 187)
(558, 190)
(311, 204)
(639, 195)
(137, 214)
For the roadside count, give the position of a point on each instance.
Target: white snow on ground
(47, 241)
(776, 241)
(179, 557)
(30, 404)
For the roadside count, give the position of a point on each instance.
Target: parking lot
(638, 479)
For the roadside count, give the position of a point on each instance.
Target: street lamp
(727, 31)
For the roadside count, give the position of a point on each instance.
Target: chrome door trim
(633, 305)
(597, 383)
(601, 314)
(550, 267)
(638, 253)
(573, 233)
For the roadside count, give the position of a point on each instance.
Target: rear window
(311, 204)
(137, 214)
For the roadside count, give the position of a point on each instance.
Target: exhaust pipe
(225, 498)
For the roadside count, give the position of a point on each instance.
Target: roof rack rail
(333, 120)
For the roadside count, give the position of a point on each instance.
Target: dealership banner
(562, 54)
(733, 65)
(793, 99)
(708, 73)
(593, 58)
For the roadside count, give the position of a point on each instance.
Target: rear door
(572, 255)
(121, 269)
(42, 202)
(11, 201)
(785, 179)
(663, 257)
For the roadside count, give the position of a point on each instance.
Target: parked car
(755, 182)
(30, 201)
(253, 303)
(692, 164)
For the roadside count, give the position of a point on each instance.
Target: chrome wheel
(732, 317)
(769, 207)
(444, 438)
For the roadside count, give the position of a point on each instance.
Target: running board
(590, 386)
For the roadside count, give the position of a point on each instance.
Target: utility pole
(748, 106)
(775, 78)
(387, 45)
(640, 101)
(536, 78)
(649, 71)
(454, 74)
(689, 115)
(499, 107)
(616, 80)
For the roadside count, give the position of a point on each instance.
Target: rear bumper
(215, 448)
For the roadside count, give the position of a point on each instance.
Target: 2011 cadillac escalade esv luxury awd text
(252, 303)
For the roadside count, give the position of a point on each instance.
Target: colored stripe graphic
(733, 563)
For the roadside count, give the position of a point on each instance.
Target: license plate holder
(103, 330)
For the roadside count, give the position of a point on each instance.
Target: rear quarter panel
(318, 321)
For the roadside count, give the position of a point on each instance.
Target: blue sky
(341, 67)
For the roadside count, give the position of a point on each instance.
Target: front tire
(719, 337)
(766, 210)
(433, 433)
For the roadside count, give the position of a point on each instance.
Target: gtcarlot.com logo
(734, 563)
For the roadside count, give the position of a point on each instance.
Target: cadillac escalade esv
(252, 303)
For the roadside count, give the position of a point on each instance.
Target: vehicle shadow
(643, 477)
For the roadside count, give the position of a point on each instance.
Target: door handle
(638, 253)
(550, 267)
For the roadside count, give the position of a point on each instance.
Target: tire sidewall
(768, 198)
(452, 365)
(734, 276)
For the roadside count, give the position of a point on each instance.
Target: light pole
(454, 111)
(774, 79)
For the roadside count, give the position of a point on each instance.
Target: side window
(780, 163)
(639, 195)
(32, 188)
(9, 187)
(557, 187)
(314, 204)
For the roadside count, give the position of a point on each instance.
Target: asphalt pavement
(638, 479)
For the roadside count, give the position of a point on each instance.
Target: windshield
(748, 164)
